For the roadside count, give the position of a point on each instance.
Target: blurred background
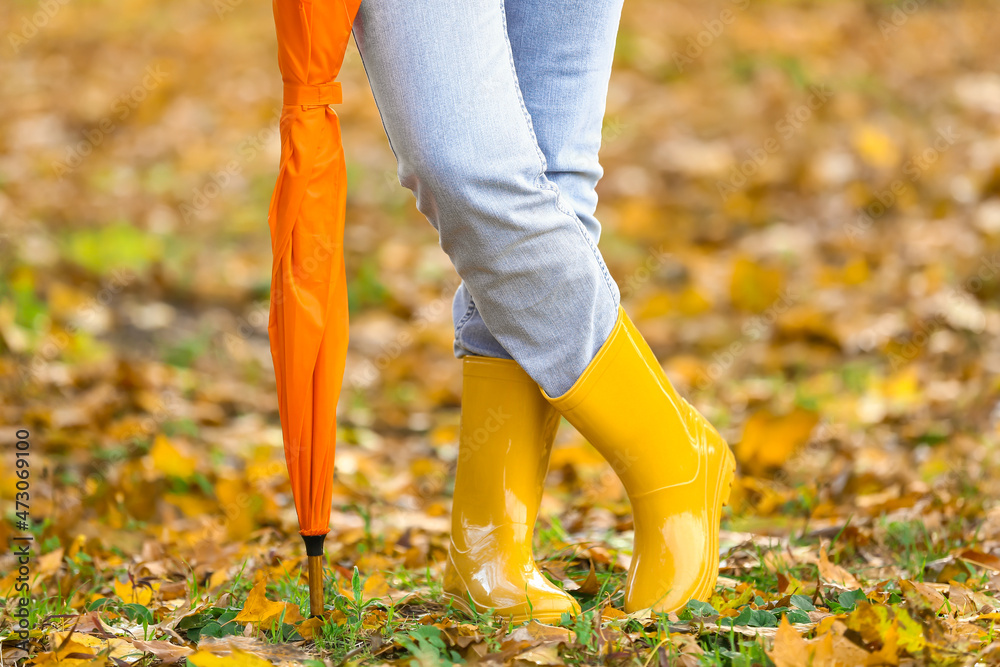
(801, 206)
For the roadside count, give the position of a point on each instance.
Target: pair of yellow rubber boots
(677, 471)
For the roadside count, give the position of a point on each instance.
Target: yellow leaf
(168, 460)
(141, 594)
(876, 626)
(116, 647)
(53, 660)
(769, 440)
(609, 613)
(236, 658)
(875, 147)
(754, 287)
(691, 302)
(50, 562)
(639, 217)
(191, 506)
(740, 600)
(791, 650)
(911, 633)
(657, 305)
(258, 609)
(375, 586)
(309, 626)
(239, 505)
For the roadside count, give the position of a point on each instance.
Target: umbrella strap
(301, 94)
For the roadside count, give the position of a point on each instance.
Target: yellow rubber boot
(503, 455)
(676, 468)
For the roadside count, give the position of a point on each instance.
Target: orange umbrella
(308, 319)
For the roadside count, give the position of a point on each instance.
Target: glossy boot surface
(505, 441)
(676, 468)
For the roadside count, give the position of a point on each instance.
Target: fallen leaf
(136, 593)
(770, 440)
(169, 461)
(754, 287)
(589, 585)
(116, 647)
(539, 633)
(982, 559)
(259, 609)
(308, 627)
(831, 573)
(163, 650)
(791, 650)
(924, 595)
(236, 658)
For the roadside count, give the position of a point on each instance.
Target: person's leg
(505, 441)
(450, 104)
(444, 79)
(562, 53)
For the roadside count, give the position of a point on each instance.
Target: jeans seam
(540, 181)
(469, 312)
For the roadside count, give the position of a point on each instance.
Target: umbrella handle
(314, 554)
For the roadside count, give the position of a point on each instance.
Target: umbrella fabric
(308, 318)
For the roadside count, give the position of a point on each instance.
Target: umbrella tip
(314, 551)
(314, 544)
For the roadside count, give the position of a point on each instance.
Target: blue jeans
(494, 112)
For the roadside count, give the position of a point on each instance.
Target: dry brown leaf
(163, 650)
(540, 655)
(960, 599)
(833, 574)
(538, 633)
(589, 585)
(986, 560)
(924, 595)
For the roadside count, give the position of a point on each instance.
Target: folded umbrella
(308, 317)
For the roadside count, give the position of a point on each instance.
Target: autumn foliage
(801, 207)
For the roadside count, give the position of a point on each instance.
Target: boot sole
(516, 618)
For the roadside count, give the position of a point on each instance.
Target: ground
(801, 207)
